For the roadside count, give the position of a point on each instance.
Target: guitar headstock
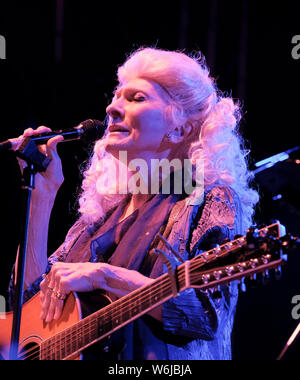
(245, 257)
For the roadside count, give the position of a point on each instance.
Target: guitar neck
(197, 273)
(109, 319)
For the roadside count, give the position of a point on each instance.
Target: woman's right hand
(47, 183)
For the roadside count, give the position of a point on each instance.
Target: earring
(168, 136)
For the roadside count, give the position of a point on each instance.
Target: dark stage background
(61, 59)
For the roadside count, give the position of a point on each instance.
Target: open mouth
(115, 128)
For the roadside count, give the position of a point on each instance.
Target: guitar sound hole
(30, 351)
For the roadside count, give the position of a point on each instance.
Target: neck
(136, 201)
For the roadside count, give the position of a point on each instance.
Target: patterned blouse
(196, 325)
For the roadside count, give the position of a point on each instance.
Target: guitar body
(33, 330)
(91, 326)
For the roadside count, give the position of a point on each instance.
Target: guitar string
(123, 306)
(87, 325)
(92, 323)
(70, 340)
(125, 303)
(110, 315)
(36, 350)
(193, 265)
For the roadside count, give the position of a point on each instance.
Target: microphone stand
(36, 162)
(273, 160)
(261, 166)
(289, 342)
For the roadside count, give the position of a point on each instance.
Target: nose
(115, 110)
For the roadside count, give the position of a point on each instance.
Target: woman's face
(137, 122)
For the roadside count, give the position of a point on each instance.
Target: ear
(187, 129)
(180, 133)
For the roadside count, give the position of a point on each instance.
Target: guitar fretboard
(109, 319)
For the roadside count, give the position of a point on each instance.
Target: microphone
(88, 131)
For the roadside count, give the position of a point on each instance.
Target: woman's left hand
(85, 277)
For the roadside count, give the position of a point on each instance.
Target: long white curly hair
(194, 97)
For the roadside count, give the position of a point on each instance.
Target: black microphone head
(92, 130)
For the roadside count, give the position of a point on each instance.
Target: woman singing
(165, 107)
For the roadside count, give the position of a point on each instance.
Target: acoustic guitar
(78, 328)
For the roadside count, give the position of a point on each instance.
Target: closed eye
(138, 97)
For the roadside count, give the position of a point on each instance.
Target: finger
(28, 132)
(58, 309)
(42, 129)
(43, 287)
(47, 307)
(51, 147)
(31, 132)
(47, 287)
(56, 305)
(45, 302)
(60, 295)
(51, 308)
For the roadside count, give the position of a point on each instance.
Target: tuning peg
(229, 270)
(218, 274)
(263, 230)
(205, 278)
(241, 267)
(240, 240)
(242, 285)
(254, 263)
(266, 258)
(205, 256)
(227, 244)
(252, 237)
(216, 250)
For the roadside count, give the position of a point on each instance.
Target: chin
(114, 147)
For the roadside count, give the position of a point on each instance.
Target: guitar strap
(175, 231)
(165, 230)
